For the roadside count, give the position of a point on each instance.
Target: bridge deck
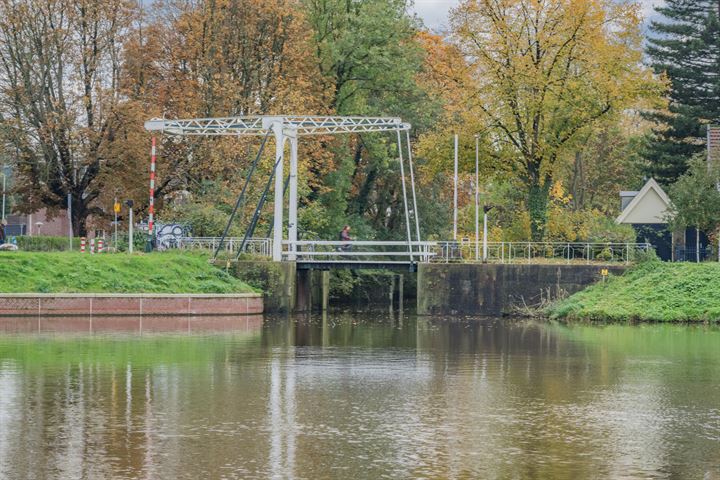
(356, 265)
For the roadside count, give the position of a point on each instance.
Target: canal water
(365, 397)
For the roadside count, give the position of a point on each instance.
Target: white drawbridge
(288, 129)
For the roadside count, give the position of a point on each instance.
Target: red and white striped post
(82, 244)
(151, 207)
(92, 246)
(101, 245)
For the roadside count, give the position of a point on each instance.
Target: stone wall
(495, 289)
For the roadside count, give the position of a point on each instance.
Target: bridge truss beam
(259, 125)
(287, 128)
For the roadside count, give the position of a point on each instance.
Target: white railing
(461, 252)
(402, 252)
(529, 252)
(256, 246)
(386, 252)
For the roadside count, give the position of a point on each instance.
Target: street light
(477, 196)
(455, 190)
(4, 175)
(486, 209)
(130, 204)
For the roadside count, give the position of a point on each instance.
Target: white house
(647, 212)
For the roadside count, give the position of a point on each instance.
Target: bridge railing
(325, 251)
(430, 251)
(537, 252)
(255, 246)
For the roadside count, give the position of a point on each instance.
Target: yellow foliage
(519, 230)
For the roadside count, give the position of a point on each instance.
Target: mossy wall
(494, 289)
(276, 280)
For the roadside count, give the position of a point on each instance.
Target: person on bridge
(345, 237)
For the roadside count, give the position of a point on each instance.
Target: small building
(38, 223)
(647, 210)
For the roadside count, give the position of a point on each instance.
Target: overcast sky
(434, 12)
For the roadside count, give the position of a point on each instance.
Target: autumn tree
(546, 71)
(219, 58)
(61, 113)
(607, 159)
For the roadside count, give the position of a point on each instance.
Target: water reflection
(128, 324)
(360, 397)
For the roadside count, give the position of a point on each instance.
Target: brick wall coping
(130, 295)
(109, 304)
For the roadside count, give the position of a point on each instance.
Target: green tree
(685, 45)
(367, 54)
(695, 198)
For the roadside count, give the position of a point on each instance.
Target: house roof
(648, 206)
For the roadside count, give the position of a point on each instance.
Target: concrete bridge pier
(312, 290)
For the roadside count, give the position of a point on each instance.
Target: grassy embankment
(652, 291)
(68, 272)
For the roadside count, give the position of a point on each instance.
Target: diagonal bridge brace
(287, 129)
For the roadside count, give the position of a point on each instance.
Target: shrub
(605, 255)
(605, 229)
(40, 243)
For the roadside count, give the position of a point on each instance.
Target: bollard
(101, 245)
(82, 244)
(92, 246)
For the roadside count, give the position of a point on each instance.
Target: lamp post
(129, 204)
(486, 209)
(116, 210)
(477, 197)
(455, 191)
(3, 194)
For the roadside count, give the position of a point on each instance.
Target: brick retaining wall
(99, 304)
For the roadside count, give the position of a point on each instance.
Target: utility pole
(486, 209)
(455, 191)
(477, 197)
(129, 203)
(116, 209)
(4, 174)
(69, 214)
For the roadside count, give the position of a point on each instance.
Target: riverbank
(68, 272)
(652, 292)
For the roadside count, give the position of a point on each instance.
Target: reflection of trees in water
(395, 397)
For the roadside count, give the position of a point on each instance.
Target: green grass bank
(70, 272)
(653, 292)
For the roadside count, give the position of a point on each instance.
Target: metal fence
(254, 246)
(463, 252)
(320, 251)
(535, 252)
(691, 254)
(431, 251)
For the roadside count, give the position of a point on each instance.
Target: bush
(605, 229)
(204, 219)
(139, 241)
(605, 255)
(645, 256)
(39, 243)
